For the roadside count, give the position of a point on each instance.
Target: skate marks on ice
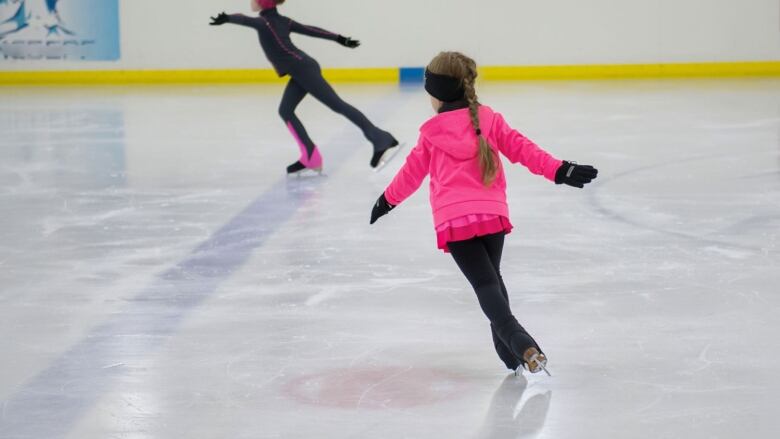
(516, 411)
(120, 347)
(76, 380)
(715, 240)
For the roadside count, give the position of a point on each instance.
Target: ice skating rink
(160, 277)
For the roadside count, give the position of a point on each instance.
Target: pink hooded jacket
(447, 150)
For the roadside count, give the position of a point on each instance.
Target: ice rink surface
(160, 277)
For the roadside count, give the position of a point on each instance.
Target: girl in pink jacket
(459, 149)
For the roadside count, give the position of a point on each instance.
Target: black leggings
(306, 78)
(480, 260)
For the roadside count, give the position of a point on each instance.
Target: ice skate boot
(298, 169)
(307, 165)
(534, 362)
(383, 156)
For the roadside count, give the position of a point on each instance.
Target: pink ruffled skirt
(470, 226)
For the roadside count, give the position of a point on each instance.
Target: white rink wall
(159, 34)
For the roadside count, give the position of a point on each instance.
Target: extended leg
(310, 155)
(474, 261)
(495, 247)
(311, 79)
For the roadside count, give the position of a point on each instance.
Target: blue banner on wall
(71, 30)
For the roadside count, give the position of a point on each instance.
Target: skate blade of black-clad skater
(306, 78)
(383, 158)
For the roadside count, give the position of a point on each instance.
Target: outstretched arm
(239, 19)
(520, 149)
(406, 181)
(411, 175)
(312, 31)
(317, 32)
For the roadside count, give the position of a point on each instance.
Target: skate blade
(306, 173)
(389, 155)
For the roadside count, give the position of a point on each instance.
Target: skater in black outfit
(306, 77)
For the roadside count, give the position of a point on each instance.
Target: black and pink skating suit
(274, 31)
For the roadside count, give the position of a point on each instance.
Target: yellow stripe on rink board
(80, 77)
(362, 75)
(501, 73)
(627, 71)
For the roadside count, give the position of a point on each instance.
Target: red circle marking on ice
(376, 388)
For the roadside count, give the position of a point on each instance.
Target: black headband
(444, 88)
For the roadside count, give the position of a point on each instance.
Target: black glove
(348, 42)
(381, 208)
(222, 18)
(575, 175)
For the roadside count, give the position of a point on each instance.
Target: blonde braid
(487, 158)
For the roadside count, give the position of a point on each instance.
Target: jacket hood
(452, 131)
